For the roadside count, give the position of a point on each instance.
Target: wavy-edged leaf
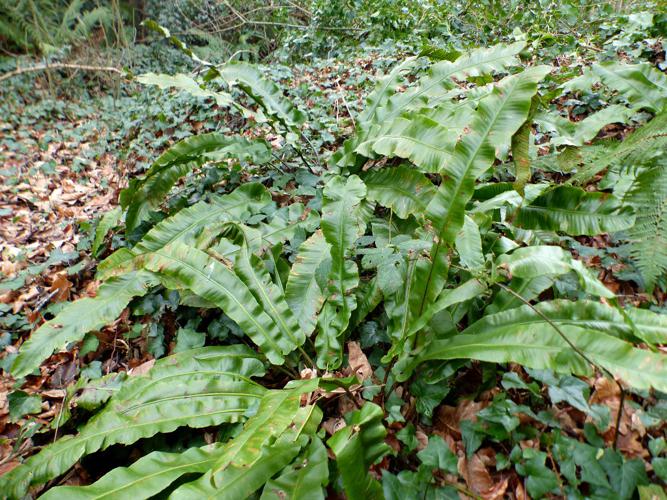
(268, 442)
(433, 86)
(303, 479)
(467, 291)
(521, 336)
(642, 84)
(544, 260)
(498, 117)
(306, 283)
(284, 225)
(583, 314)
(266, 93)
(253, 273)
(80, 317)
(145, 478)
(196, 388)
(203, 220)
(469, 245)
(576, 212)
(212, 280)
(358, 445)
(185, 83)
(344, 220)
(418, 138)
(438, 79)
(577, 133)
(384, 89)
(521, 151)
(148, 192)
(106, 223)
(528, 288)
(647, 141)
(403, 189)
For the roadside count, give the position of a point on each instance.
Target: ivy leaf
(438, 455)
(21, 403)
(540, 479)
(660, 468)
(187, 338)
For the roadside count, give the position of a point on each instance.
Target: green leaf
(185, 83)
(253, 273)
(543, 260)
(418, 138)
(80, 317)
(306, 283)
(438, 455)
(187, 338)
(197, 388)
(648, 196)
(574, 211)
(145, 478)
(464, 292)
(539, 260)
(641, 84)
(387, 106)
(439, 78)
(106, 223)
(540, 479)
(204, 220)
(268, 442)
(303, 479)
(652, 492)
(147, 193)
(624, 475)
(215, 282)
(660, 468)
(343, 221)
(356, 446)
(469, 245)
(577, 133)
(521, 336)
(21, 403)
(403, 189)
(521, 151)
(266, 93)
(497, 118)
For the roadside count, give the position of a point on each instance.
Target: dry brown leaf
(142, 368)
(358, 361)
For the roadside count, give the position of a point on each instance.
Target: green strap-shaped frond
(522, 336)
(80, 317)
(306, 284)
(357, 446)
(183, 266)
(575, 212)
(199, 223)
(344, 219)
(145, 478)
(148, 192)
(196, 388)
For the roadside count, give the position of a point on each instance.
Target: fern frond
(649, 234)
(640, 146)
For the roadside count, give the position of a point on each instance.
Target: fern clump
(402, 227)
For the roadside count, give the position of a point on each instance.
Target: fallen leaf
(358, 361)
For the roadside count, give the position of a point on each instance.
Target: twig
(576, 349)
(44, 67)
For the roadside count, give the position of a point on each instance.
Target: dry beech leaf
(142, 368)
(358, 361)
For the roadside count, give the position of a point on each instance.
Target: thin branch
(581, 353)
(44, 67)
